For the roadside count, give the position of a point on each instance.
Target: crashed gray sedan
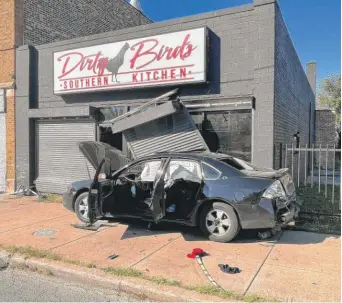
(218, 193)
(171, 176)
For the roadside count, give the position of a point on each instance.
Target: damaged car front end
(279, 200)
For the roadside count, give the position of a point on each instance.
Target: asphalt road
(20, 286)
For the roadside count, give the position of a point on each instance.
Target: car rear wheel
(219, 222)
(81, 207)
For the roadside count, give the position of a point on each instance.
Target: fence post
(333, 178)
(298, 163)
(326, 173)
(292, 151)
(319, 167)
(305, 163)
(312, 163)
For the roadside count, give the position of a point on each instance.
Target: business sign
(175, 58)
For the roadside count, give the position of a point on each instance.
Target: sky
(314, 25)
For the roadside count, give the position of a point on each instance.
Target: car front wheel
(219, 222)
(81, 207)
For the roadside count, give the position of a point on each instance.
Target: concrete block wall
(293, 93)
(55, 20)
(264, 52)
(23, 148)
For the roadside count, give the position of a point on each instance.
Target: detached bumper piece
(86, 226)
(289, 214)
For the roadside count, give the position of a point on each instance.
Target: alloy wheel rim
(83, 208)
(217, 222)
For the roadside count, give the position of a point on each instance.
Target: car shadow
(138, 228)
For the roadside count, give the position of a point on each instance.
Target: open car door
(158, 194)
(95, 203)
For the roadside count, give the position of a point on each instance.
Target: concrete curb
(139, 288)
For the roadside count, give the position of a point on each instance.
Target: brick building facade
(37, 22)
(260, 92)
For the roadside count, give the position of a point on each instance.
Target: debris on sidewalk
(269, 233)
(94, 227)
(229, 270)
(197, 252)
(44, 232)
(30, 191)
(112, 257)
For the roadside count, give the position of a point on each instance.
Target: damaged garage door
(164, 127)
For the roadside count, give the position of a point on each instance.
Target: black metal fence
(316, 172)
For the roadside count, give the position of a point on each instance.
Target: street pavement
(26, 286)
(292, 266)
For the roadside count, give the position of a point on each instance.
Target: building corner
(264, 69)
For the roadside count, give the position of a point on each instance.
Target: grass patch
(319, 213)
(314, 200)
(54, 198)
(90, 265)
(30, 252)
(255, 298)
(226, 294)
(123, 272)
(214, 291)
(164, 281)
(319, 224)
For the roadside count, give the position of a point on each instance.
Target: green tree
(330, 94)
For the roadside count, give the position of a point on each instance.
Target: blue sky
(314, 25)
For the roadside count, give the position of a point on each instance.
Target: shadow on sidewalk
(137, 228)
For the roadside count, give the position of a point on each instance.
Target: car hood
(95, 152)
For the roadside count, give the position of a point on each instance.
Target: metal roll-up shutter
(176, 133)
(59, 161)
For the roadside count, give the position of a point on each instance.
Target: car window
(187, 170)
(209, 172)
(143, 171)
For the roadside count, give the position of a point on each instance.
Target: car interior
(133, 189)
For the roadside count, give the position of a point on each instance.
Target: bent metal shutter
(166, 127)
(59, 161)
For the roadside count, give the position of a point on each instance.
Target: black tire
(78, 212)
(234, 226)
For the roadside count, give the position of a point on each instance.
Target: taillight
(274, 191)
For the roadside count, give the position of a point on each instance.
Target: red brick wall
(10, 22)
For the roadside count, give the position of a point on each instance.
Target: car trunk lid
(252, 170)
